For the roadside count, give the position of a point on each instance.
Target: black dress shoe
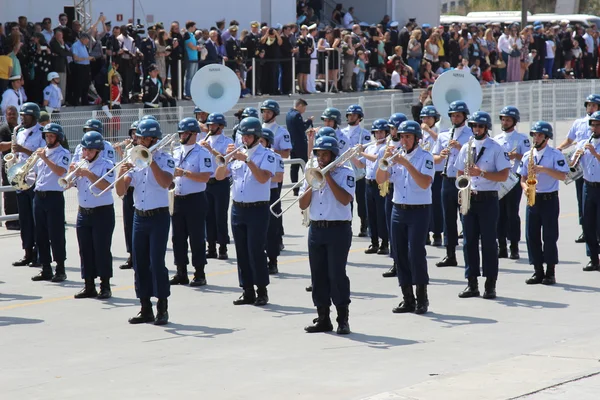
(87, 293)
(437, 241)
(13, 226)
(248, 297)
(591, 266)
(408, 303)
(105, 293)
(262, 298)
(198, 281)
(144, 316)
(514, 251)
(179, 280)
(472, 289)
(222, 253)
(502, 252)
(44, 275)
(162, 315)
(372, 249)
(128, 264)
(391, 272)
(324, 325)
(448, 261)
(211, 252)
(342, 320)
(273, 270)
(460, 235)
(60, 275)
(384, 250)
(537, 277)
(490, 289)
(580, 239)
(308, 288)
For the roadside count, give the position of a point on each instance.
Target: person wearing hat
(49, 204)
(12, 96)
(252, 44)
(233, 48)
(53, 96)
(148, 49)
(312, 35)
(154, 91)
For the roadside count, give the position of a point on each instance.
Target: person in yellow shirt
(6, 67)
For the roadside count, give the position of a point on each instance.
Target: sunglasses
(595, 124)
(481, 126)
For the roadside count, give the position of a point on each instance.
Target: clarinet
(445, 171)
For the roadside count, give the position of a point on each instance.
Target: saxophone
(17, 175)
(384, 188)
(463, 182)
(10, 159)
(531, 181)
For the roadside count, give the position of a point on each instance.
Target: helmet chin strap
(596, 135)
(356, 122)
(510, 128)
(538, 145)
(270, 120)
(480, 137)
(184, 142)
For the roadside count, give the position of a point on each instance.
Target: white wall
(426, 11)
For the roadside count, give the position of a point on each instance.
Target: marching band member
(354, 134)
(251, 172)
(193, 168)
(329, 237)
(445, 152)
(201, 117)
(95, 218)
(515, 144)
(128, 208)
(580, 130)
(93, 125)
(375, 202)
(394, 123)
(282, 144)
(548, 167)
(587, 154)
(49, 204)
(29, 139)
(412, 175)
(274, 232)
(429, 117)
(150, 224)
(217, 191)
(247, 112)
(490, 166)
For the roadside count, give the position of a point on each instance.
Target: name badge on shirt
(170, 163)
(111, 153)
(526, 142)
(286, 138)
(561, 163)
(506, 156)
(429, 164)
(270, 158)
(65, 160)
(207, 162)
(350, 181)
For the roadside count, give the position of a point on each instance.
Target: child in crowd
(362, 70)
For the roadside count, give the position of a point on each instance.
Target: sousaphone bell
(452, 86)
(215, 88)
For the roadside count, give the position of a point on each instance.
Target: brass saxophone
(17, 175)
(463, 182)
(384, 188)
(531, 181)
(11, 158)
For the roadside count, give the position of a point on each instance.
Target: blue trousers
(591, 220)
(188, 219)
(480, 223)
(579, 189)
(128, 212)
(26, 220)
(436, 221)
(217, 199)
(376, 213)
(409, 231)
(150, 237)
(450, 212)
(328, 253)
(361, 200)
(94, 234)
(389, 205)
(541, 222)
(250, 237)
(509, 221)
(49, 215)
(274, 236)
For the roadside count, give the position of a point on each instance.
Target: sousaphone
(455, 85)
(215, 88)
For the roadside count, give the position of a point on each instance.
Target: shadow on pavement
(5, 321)
(376, 342)
(11, 297)
(451, 321)
(511, 302)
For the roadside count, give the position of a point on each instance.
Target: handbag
(515, 53)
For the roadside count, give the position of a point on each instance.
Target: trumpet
(386, 163)
(70, 177)
(225, 159)
(128, 143)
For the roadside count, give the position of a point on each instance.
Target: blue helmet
(145, 117)
(134, 126)
(411, 127)
(326, 143)
(380, 125)
(268, 135)
(542, 127)
(481, 117)
(355, 109)
(332, 113)
(216, 118)
(55, 129)
(326, 131)
(30, 109)
(594, 117)
(93, 125)
(271, 105)
(188, 125)
(430, 111)
(198, 110)
(396, 119)
(148, 128)
(592, 98)
(250, 112)
(511, 111)
(92, 140)
(458, 106)
(250, 126)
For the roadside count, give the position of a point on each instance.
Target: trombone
(140, 157)
(386, 163)
(225, 159)
(70, 177)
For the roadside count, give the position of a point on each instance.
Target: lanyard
(478, 156)
(181, 161)
(538, 162)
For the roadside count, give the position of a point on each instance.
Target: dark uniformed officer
(154, 92)
(274, 231)
(412, 176)
(589, 159)
(29, 139)
(445, 152)
(380, 129)
(217, 191)
(49, 204)
(247, 112)
(580, 130)
(201, 117)
(329, 237)
(490, 166)
(193, 168)
(429, 117)
(283, 143)
(509, 222)
(394, 123)
(95, 218)
(251, 172)
(150, 224)
(549, 167)
(353, 135)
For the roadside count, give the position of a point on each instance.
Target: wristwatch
(185, 172)
(482, 173)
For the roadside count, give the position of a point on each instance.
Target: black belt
(546, 196)
(89, 211)
(371, 182)
(328, 224)
(44, 194)
(592, 184)
(150, 213)
(130, 190)
(491, 194)
(185, 196)
(247, 205)
(410, 206)
(212, 181)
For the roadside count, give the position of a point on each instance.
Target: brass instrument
(225, 159)
(17, 174)
(384, 188)
(573, 167)
(11, 158)
(463, 182)
(531, 181)
(386, 163)
(70, 177)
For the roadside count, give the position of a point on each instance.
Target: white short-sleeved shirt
(371, 166)
(220, 143)
(461, 135)
(323, 204)
(489, 156)
(108, 152)
(31, 139)
(590, 164)
(580, 130)
(514, 140)
(53, 95)
(282, 136)
(406, 190)
(279, 167)
(356, 134)
(193, 158)
(245, 188)
(85, 195)
(46, 180)
(148, 194)
(549, 157)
